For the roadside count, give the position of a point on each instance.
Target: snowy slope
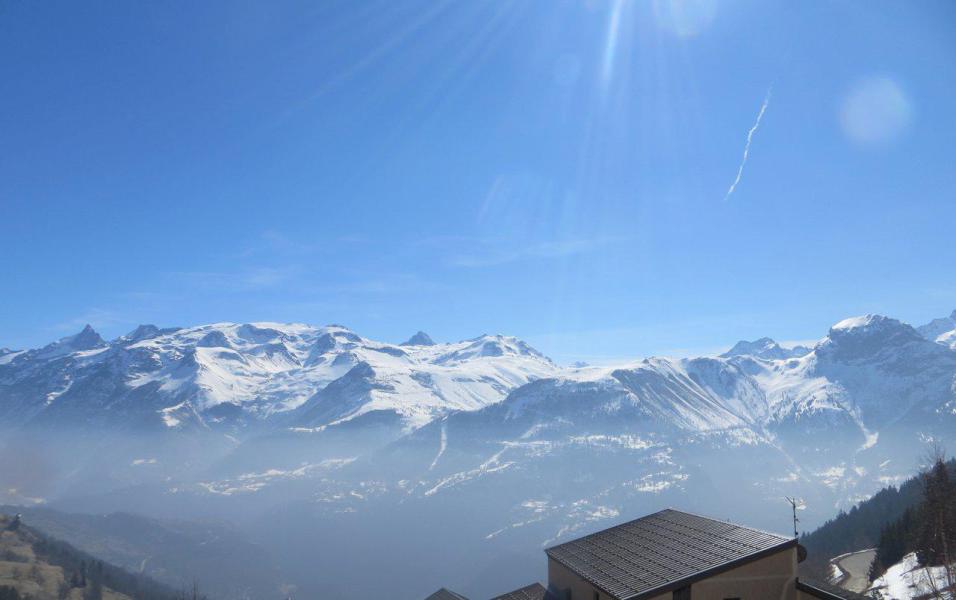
(906, 580)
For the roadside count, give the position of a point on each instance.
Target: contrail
(750, 137)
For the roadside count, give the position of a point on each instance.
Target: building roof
(535, 591)
(663, 551)
(445, 594)
(819, 589)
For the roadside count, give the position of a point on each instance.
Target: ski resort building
(674, 555)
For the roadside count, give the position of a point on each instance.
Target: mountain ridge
(240, 374)
(263, 368)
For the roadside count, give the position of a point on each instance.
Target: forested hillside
(173, 552)
(864, 524)
(928, 529)
(37, 567)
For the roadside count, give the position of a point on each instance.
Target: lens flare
(875, 111)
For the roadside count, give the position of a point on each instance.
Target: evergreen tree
(94, 591)
(937, 539)
(896, 540)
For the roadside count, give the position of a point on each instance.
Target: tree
(896, 539)
(94, 591)
(936, 544)
(15, 523)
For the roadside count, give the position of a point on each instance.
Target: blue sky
(555, 170)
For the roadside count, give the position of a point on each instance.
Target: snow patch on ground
(906, 580)
(255, 481)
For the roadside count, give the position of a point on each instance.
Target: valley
(438, 462)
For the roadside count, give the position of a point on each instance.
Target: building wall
(770, 578)
(561, 578)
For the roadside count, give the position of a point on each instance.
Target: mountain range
(232, 376)
(298, 431)
(227, 375)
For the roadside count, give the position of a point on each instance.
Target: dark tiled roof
(535, 591)
(819, 589)
(445, 594)
(657, 552)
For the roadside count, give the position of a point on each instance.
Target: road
(856, 569)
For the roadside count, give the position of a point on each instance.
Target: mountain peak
(871, 326)
(940, 330)
(754, 348)
(86, 339)
(867, 335)
(764, 348)
(867, 322)
(419, 339)
(142, 332)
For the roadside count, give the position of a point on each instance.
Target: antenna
(793, 504)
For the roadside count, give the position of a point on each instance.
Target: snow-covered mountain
(765, 348)
(941, 330)
(867, 374)
(223, 374)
